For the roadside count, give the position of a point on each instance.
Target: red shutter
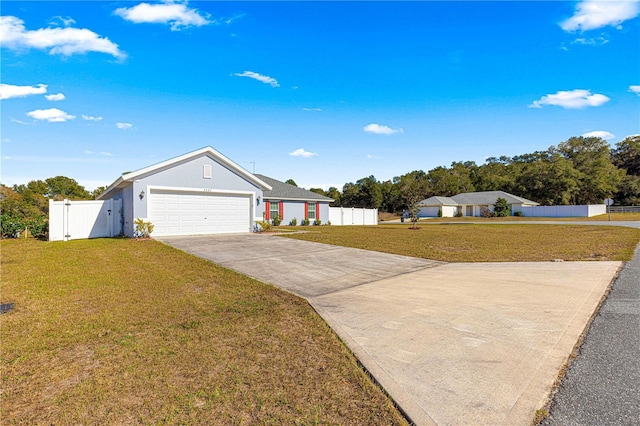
(306, 210)
(318, 211)
(281, 208)
(267, 206)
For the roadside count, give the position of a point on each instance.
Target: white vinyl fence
(75, 220)
(352, 216)
(564, 211)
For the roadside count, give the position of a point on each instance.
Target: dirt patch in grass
(118, 331)
(466, 242)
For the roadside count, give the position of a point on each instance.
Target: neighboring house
(471, 204)
(290, 202)
(202, 192)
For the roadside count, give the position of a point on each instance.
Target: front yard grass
(467, 242)
(120, 331)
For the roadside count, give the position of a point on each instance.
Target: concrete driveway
(452, 343)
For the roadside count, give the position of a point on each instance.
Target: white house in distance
(470, 204)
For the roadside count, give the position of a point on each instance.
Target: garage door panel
(188, 213)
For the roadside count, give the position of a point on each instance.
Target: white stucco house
(204, 192)
(470, 204)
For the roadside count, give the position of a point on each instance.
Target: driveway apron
(452, 343)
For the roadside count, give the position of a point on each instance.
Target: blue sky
(321, 92)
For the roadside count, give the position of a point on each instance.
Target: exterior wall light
(141, 195)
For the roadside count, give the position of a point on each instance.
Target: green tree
(63, 187)
(336, 195)
(501, 208)
(591, 156)
(291, 182)
(626, 155)
(628, 192)
(96, 192)
(450, 181)
(550, 181)
(18, 214)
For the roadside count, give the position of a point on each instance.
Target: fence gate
(75, 220)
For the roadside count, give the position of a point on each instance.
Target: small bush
(458, 213)
(305, 222)
(263, 226)
(317, 222)
(276, 220)
(38, 227)
(518, 214)
(11, 226)
(439, 212)
(142, 229)
(328, 222)
(486, 213)
(501, 208)
(294, 222)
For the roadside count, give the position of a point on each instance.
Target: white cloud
(91, 118)
(13, 120)
(103, 153)
(312, 109)
(263, 78)
(300, 152)
(65, 21)
(635, 89)
(571, 99)
(106, 154)
(178, 15)
(592, 14)
(8, 91)
(52, 115)
(371, 157)
(55, 97)
(380, 129)
(58, 41)
(599, 134)
(593, 41)
(124, 126)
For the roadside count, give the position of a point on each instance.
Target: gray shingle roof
(284, 191)
(438, 201)
(489, 197)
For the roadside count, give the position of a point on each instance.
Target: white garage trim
(192, 211)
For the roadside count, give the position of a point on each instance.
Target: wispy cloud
(593, 41)
(571, 99)
(124, 126)
(300, 152)
(8, 91)
(24, 123)
(177, 15)
(371, 157)
(91, 118)
(312, 109)
(256, 76)
(55, 97)
(598, 134)
(379, 129)
(58, 41)
(103, 153)
(635, 89)
(52, 115)
(592, 14)
(65, 21)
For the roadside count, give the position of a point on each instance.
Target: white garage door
(189, 213)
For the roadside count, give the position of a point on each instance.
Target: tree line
(580, 170)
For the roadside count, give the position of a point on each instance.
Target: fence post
(66, 205)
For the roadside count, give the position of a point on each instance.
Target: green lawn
(465, 242)
(120, 331)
